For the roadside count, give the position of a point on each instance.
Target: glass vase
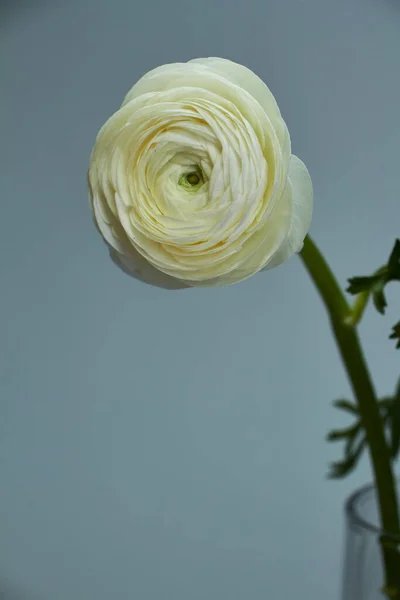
(363, 568)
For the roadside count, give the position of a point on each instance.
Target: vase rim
(353, 513)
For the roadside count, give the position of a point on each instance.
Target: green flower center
(192, 180)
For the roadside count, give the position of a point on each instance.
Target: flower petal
(249, 81)
(137, 266)
(302, 206)
(252, 207)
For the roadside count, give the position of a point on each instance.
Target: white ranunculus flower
(192, 182)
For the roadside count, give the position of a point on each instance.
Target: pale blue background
(170, 445)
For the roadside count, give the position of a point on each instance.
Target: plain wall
(159, 444)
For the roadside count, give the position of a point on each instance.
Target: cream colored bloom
(192, 181)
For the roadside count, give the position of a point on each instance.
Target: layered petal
(300, 185)
(249, 81)
(192, 182)
(138, 267)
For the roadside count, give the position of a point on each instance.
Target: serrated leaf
(344, 467)
(362, 284)
(341, 434)
(378, 297)
(390, 413)
(395, 423)
(352, 443)
(351, 437)
(394, 261)
(375, 284)
(346, 405)
(395, 335)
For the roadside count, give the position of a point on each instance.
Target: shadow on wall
(15, 10)
(393, 4)
(9, 591)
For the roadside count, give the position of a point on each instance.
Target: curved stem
(361, 383)
(325, 281)
(360, 304)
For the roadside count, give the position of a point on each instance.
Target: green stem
(361, 383)
(357, 311)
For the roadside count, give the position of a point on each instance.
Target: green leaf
(375, 284)
(395, 423)
(378, 296)
(346, 405)
(342, 434)
(394, 262)
(344, 467)
(390, 413)
(395, 335)
(352, 443)
(362, 284)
